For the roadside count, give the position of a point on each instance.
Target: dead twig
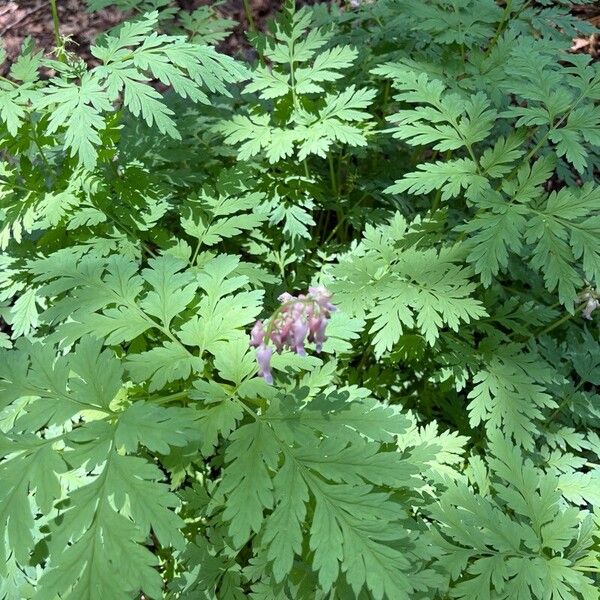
(8, 9)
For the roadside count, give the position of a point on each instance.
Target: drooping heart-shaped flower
(298, 319)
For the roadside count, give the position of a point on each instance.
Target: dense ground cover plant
(433, 165)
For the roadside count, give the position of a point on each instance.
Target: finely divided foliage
(425, 426)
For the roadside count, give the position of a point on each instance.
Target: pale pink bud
(322, 297)
(257, 335)
(319, 334)
(277, 341)
(285, 297)
(263, 357)
(299, 331)
(590, 307)
(313, 326)
(285, 330)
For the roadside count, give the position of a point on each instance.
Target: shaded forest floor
(22, 18)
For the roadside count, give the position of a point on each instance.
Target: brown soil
(22, 18)
(33, 18)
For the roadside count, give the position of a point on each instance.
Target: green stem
(386, 97)
(293, 74)
(501, 26)
(588, 569)
(462, 45)
(556, 324)
(436, 201)
(469, 148)
(306, 171)
(339, 172)
(244, 407)
(170, 398)
(560, 321)
(534, 150)
(55, 22)
(543, 139)
(15, 185)
(334, 188)
(249, 16)
(566, 317)
(293, 86)
(342, 220)
(127, 231)
(197, 250)
(36, 141)
(564, 403)
(363, 360)
(438, 196)
(326, 224)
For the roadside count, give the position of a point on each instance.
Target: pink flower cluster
(299, 318)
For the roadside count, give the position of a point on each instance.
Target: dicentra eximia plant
(434, 165)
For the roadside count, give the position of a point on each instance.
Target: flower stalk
(55, 22)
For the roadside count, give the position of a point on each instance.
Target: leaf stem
(334, 188)
(36, 141)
